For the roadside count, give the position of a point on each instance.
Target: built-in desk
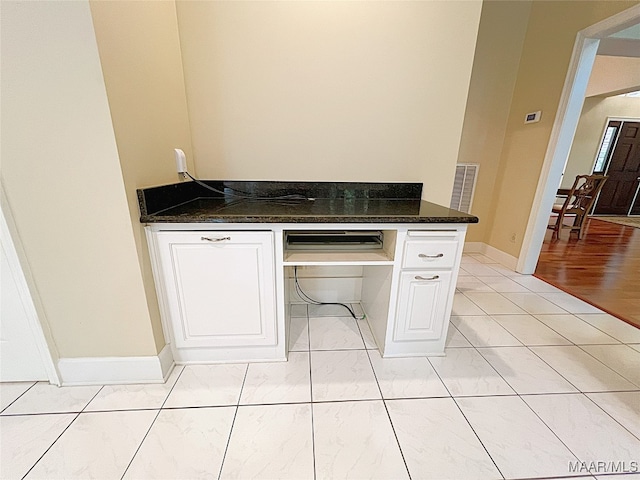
(224, 274)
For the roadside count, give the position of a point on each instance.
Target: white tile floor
(534, 385)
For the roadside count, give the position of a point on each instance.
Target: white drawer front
(430, 253)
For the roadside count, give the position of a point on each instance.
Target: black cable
(231, 193)
(239, 201)
(307, 299)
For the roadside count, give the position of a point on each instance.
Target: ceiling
(625, 43)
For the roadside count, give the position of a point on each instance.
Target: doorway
(570, 108)
(619, 196)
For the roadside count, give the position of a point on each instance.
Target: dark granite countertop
(293, 202)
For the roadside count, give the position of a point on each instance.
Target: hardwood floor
(603, 268)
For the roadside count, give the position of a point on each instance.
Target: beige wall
(614, 75)
(274, 90)
(371, 91)
(590, 129)
(142, 66)
(62, 179)
(502, 29)
(543, 66)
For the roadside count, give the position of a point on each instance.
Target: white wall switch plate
(533, 117)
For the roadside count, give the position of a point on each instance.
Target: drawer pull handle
(435, 277)
(209, 239)
(424, 255)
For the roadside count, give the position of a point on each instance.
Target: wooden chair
(578, 203)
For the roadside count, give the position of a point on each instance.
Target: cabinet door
(220, 287)
(422, 302)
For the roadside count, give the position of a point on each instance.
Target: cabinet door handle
(209, 239)
(424, 255)
(435, 277)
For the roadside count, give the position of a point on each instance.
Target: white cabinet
(223, 293)
(422, 302)
(219, 293)
(425, 290)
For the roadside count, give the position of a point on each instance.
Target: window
(606, 147)
(630, 94)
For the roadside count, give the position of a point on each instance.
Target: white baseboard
(501, 257)
(474, 247)
(116, 370)
(493, 253)
(166, 361)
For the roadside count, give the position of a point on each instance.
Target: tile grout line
(523, 401)
(152, 423)
(61, 433)
(499, 325)
(513, 388)
(517, 394)
(439, 378)
(368, 400)
(580, 392)
(555, 370)
(598, 328)
(542, 323)
(551, 429)
(611, 416)
(529, 348)
(360, 330)
(609, 367)
(384, 403)
(487, 361)
(516, 346)
(524, 344)
(530, 291)
(478, 437)
(550, 366)
(233, 422)
(451, 324)
(52, 444)
(618, 342)
(141, 443)
(465, 419)
(313, 428)
(18, 397)
(543, 361)
(571, 343)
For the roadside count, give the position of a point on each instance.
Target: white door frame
(11, 245)
(564, 127)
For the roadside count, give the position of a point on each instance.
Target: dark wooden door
(623, 172)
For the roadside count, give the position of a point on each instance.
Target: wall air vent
(464, 186)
